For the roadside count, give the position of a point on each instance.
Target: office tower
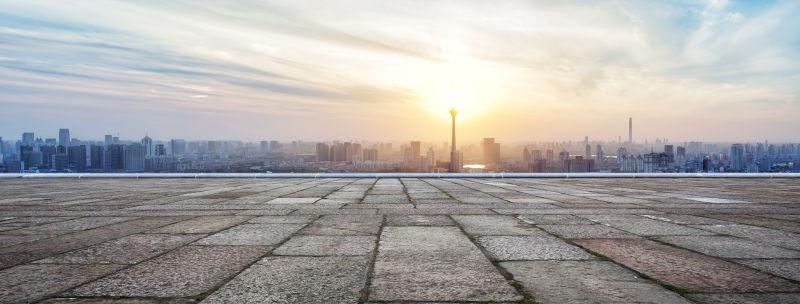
(160, 150)
(50, 142)
(27, 138)
(77, 158)
(526, 155)
(630, 129)
(115, 157)
(454, 157)
(323, 152)
(430, 158)
(109, 140)
(25, 152)
(98, 155)
(63, 137)
(491, 152)
(549, 157)
(264, 146)
(578, 164)
(115, 140)
(536, 155)
(588, 150)
(681, 151)
(47, 156)
(416, 150)
(274, 146)
(599, 157)
(147, 142)
(737, 157)
(134, 158)
(60, 161)
(563, 156)
(177, 146)
(670, 153)
(371, 154)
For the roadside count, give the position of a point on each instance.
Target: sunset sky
(384, 70)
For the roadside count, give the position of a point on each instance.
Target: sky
(390, 70)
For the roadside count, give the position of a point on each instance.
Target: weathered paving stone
(296, 280)
(787, 268)
(744, 298)
(21, 253)
(418, 220)
(586, 231)
(686, 269)
(344, 225)
(554, 219)
(203, 224)
(685, 219)
(286, 219)
(539, 247)
(126, 250)
(758, 234)
(434, 264)
(644, 226)
(29, 283)
(494, 225)
(110, 301)
(293, 200)
(587, 282)
(72, 225)
(251, 234)
(319, 245)
(187, 271)
(730, 247)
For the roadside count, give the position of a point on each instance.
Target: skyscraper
(588, 154)
(737, 157)
(109, 139)
(27, 138)
(454, 157)
(77, 158)
(630, 129)
(147, 142)
(177, 146)
(599, 157)
(98, 156)
(323, 152)
(491, 152)
(416, 150)
(115, 158)
(63, 137)
(134, 158)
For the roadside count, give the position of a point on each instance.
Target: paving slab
(186, 272)
(434, 264)
(29, 283)
(586, 231)
(344, 225)
(324, 245)
(730, 247)
(644, 226)
(686, 269)
(593, 282)
(758, 234)
(734, 298)
(203, 224)
(130, 249)
(296, 280)
(251, 234)
(554, 219)
(787, 268)
(285, 219)
(293, 200)
(477, 225)
(419, 220)
(535, 247)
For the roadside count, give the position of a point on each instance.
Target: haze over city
(517, 70)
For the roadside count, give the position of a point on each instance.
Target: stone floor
(400, 240)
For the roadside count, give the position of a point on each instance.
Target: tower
(630, 130)
(63, 137)
(453, 154)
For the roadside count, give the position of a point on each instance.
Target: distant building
(47, 156)
(98, 154)
(77, 158)
(526, 155)
(147, 142)
(177, 146)
(115, 158)
(25, 152)
(63, 137)
(134, 158)
(109, 140)
(737, 163)
(371, 155)
(160, 150)
(322, 149)
(27, 138)
(491, 152)
(578, 164)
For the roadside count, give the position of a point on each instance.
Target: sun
(466, 86)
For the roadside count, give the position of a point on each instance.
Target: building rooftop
(367, 240)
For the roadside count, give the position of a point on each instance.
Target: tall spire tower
(630, 130)
(453, 154)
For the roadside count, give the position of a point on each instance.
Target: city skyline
(707, 71)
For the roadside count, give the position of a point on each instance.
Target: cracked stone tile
(787, 268)
(319, 245)
(186, 272)
(30, 283)
(553, 219)
(730, 247)
(544, 247)
(293, 200)
(130, 249)
(344, 225)
(251, 234)
(203, 224)
(286, 219)
(418, 220)
(494, 225)
(587, 282)
(595, 231)
(644, 226)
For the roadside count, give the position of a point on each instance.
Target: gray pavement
(400, 240)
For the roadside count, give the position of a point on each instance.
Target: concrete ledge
(399, 175)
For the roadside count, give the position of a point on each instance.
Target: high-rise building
(47, 155)
(323, 152)
(77, 158)
(737, 157)
(134, 158)
(27, 138)
(25, 152)
(416, 150)
(147, 142)
(600, 155)
(63, 137)
(97, 158)
(526, 155)
(177, 146)
(588, 154)
(264, 146)
(491, 152)
(115, 157)
(371, 154)
(160, 150)
(455, 158)
(630, 129)
(109, 140)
